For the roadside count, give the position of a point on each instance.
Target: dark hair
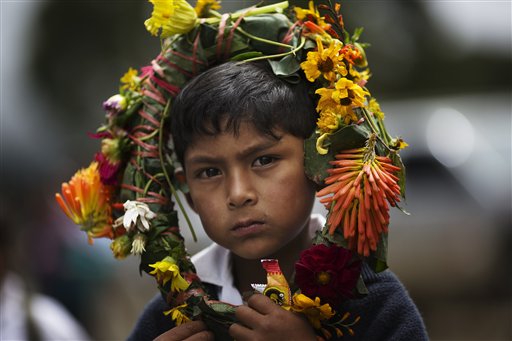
(223, 96)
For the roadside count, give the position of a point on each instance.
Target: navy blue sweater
(387, 313)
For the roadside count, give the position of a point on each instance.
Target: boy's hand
(262, 319)
(190, 331)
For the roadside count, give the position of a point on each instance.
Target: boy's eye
(208, 173)
(263, 160)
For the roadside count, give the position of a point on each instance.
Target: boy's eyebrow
(256, 148)
(259, 147)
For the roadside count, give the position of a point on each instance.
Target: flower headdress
(126, 193)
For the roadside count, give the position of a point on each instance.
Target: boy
(239, 132)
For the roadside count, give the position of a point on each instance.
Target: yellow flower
(359, 77)
(320, 144)
(374, 107)
(327, 102)
(312, 309)
(130, 80)
(349, 93)
(311, 14)
(326, 62)
(85, 200)
(177, 315)
(121, 246)
(328, 121)
(172, 17)
(203, 6)
(399, 143)
(166, 270)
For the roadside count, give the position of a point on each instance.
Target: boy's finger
(262, 304)
(195, 329)
(240, 332)
(248, 316)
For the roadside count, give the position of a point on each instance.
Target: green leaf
(397, 161)
(378, 259)
(218, 316)
(316, 165)
(286, 68)
(267, 26)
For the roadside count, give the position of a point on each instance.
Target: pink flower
(108, 170)
(328, 272)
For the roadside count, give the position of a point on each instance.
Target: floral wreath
(126, 193)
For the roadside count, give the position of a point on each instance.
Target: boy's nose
(240, 192)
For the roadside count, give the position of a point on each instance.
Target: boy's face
(250, 190)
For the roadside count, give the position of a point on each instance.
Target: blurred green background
(441, 70)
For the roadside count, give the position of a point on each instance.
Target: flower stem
(166, 174)
(302, 42)
(374, 129)
(277, 7)
(263, 40)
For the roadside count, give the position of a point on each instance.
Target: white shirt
(213, 265)
(52, 320)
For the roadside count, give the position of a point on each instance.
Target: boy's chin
(252, 255)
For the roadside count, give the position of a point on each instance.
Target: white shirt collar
(213, 265)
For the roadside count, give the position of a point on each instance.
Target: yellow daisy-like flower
(311, 14)
(203, 6)
(328, 121)
(85, 200)
(349, 93)
(312, 309)
(329, 102)
(177, 315)
(359, 77)
(167, 270)
(326, 101)
(171, 17)
(326, 62)
(130, 79)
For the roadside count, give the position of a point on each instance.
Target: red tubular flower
(362, 184)
(328, 272)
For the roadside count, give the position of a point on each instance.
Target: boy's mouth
(247, 227)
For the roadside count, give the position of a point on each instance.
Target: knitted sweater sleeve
(152, 322)
(387, 312)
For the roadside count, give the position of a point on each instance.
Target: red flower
(328, 272)
(108, 170)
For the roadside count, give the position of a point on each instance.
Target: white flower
(138, 244)
(137, 215)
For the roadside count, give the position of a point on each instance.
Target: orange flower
(85, 200)
(354, 54)
(358, 191)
